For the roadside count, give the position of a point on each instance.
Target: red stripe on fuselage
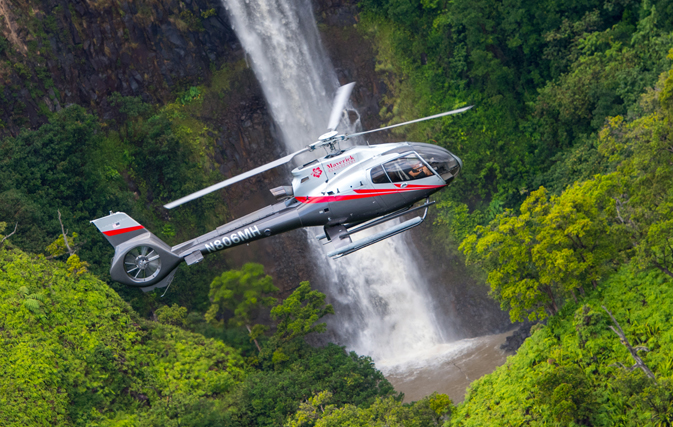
(122, 230)
(361, 194)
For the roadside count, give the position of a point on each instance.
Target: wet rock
(514, 341)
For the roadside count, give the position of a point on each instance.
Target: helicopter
(345, 192)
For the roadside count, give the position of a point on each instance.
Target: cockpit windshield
(407, 168)
(443, 162)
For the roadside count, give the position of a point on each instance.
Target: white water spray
(389, 312)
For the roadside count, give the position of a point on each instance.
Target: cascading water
(386, 309)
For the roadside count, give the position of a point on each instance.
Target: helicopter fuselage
(337, 191)
(341, 188)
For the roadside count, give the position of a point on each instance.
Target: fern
(32, 302)
(38, 297)
(32, 305)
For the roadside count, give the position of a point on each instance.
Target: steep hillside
(577, 370)
(72, 352)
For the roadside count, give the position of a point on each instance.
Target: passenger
(420, 171)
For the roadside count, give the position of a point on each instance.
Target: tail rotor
(141, 259)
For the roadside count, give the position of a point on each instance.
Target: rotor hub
(142, 263)
(327, 136)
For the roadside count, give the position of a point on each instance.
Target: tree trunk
(65, 237)
(2, 242)
(634, 351)
(663, 269)
(254, 339)
(550, 294)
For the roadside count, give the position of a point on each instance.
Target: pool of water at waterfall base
(447, 368)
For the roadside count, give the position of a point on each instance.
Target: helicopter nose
(454, 166)
(460, 162)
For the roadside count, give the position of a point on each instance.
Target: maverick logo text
(331, 167)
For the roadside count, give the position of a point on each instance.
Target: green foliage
(267, 397)
(129, 106)
(73, 353)
(55, 167)
(543, 78)
(457, 218)
(4, 45)
(193, 22)
(58, 246)
(208, 13)
(297, 317)
(312, 410)
(240, 292)
(189, 96)
(76, 266)
(643, 153)
(570, 371)
(573, 371)
(33, 302)
(299, 312)
(567, 392)
(556, 246)
(74, 164)
(388, 412)
(172, 315)
(22, 70)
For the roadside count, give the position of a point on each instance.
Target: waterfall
(386, 312)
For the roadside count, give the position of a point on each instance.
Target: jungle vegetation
(564, 207)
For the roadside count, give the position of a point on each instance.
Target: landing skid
(343, 250)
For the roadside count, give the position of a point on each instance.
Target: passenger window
(379, 177)
(407, 168)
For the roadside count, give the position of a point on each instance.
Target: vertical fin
(118, 228)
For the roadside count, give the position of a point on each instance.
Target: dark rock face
(514, 341)
(79, 52)
(247, 138)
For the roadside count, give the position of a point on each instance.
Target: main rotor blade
(235, 179)
(448, 113)
(340, 100)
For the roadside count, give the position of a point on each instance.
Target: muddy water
(445, 368)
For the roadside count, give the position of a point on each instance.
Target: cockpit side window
(407, 168)
(379, 176)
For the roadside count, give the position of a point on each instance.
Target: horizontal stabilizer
(363, 243)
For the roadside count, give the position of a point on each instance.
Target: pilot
(419, 170)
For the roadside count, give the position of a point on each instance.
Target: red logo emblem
(317, 172)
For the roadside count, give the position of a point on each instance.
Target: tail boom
(143, 260)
